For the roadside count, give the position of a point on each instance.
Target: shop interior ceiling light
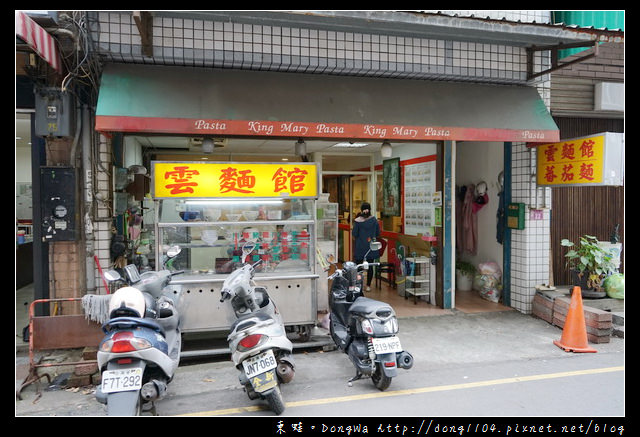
(301, 148)
(350, 145)
(207, 145)
(385, 150)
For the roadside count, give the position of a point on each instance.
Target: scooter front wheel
(275, 401)
(380, 380)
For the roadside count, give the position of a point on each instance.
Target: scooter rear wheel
(275, 401)
(380, 380)
(126, 403)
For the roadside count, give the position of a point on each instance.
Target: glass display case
(211, 234)
(327, 245)
(327, 218)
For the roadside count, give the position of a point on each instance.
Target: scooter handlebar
(225, 295)
(367, 264)
(335, 274)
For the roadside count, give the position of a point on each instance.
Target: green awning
(191, 101)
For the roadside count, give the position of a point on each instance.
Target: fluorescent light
(233, 202)
(351, 145)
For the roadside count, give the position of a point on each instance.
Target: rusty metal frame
(33, 376)
(554, 56)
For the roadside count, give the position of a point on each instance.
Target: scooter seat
(365, 305)
(131, 322)
(246, 320)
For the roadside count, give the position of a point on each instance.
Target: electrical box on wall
(515, 216)
(54, 113)
(58, 194)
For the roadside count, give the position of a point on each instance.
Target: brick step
(553, 307)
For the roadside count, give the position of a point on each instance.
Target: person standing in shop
(365, 229)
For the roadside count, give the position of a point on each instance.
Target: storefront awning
(37, 39)
(199, 102)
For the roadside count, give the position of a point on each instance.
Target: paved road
(465, 365)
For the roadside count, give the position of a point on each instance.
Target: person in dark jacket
(365, 229)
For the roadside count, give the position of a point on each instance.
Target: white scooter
(257, 340)
(140, 352)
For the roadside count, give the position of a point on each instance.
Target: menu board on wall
(419, 187)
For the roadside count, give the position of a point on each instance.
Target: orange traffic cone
(574, 333)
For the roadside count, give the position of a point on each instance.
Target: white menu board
(419, 187)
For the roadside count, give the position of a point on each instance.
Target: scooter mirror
(247, 248)
(132, 273)
(375, 245)
(173, 251)
(111, 275)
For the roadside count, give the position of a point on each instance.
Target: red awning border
(315, 130)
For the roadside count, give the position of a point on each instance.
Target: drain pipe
(87, 166)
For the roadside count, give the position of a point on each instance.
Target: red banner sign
(316, 130)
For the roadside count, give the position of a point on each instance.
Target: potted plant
(464, 275)
(590, 264)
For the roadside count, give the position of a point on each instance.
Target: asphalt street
(471, 365)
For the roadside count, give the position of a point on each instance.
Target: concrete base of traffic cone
(574, 333)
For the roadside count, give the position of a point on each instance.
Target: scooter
(365, 329)
(140, 351)
(258, 342)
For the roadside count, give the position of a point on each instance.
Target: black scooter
(365, 329)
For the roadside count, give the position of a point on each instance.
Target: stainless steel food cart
(211, 221)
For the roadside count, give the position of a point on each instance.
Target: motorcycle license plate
(264, 381)
(117, 380)
(386, 345)
(259, 364)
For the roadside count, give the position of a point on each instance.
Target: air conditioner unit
(609, 96)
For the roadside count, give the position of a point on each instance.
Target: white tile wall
(102, 224)
(529, 247)
(235, 45)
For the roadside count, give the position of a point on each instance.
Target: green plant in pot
(464, 275)
(590, 262)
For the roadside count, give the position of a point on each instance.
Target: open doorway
(479, 246)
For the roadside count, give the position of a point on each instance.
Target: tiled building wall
(213, 44)
(203, 43)
(103, 213)
(530, 247)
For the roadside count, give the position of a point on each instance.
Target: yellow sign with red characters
(573, 162)
(234, 179)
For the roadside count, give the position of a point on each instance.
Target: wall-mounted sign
(592, 160)
(234, 179)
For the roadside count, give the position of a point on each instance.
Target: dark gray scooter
(365, 329)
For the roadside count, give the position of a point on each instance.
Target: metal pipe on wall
(87, 165)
